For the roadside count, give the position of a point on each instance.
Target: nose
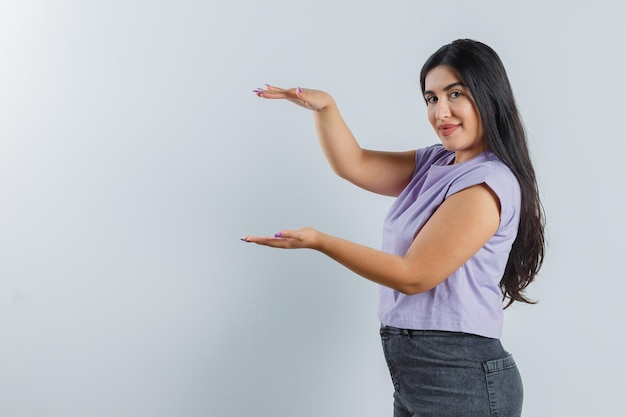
(443, 110)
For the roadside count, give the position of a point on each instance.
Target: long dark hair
(480, 69)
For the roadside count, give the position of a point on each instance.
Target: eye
(430, 99)
(455, 94)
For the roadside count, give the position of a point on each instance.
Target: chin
(448, 146)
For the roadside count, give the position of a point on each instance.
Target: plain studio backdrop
(134, 155)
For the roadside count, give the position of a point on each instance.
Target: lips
(447, 129)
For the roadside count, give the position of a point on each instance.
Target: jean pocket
(504, 387)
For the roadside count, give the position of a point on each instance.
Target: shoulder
(500, 177)
(488, 169)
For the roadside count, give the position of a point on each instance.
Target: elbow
(410, 286)
(410, 277)
(417, 283)
(409, 289)
(343, 172)
(348, 167)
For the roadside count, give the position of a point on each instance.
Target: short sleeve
(499, 178)
(504, 184)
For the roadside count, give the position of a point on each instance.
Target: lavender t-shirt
(469, 300)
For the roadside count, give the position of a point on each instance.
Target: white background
(134, 155)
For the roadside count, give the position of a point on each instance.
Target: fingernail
(267, 85)
(279, 234)
(244, 239)
(299, 90)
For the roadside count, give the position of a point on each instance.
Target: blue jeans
(448, 374)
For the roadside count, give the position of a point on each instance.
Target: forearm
(385, 173)
(337, 141)
(382, 268)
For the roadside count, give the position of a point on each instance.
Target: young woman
(464, 234)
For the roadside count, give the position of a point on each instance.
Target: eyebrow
(446, 88)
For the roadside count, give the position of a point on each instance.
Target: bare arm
(454, 233)
(384, 173)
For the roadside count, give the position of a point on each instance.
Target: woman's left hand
(306, 237)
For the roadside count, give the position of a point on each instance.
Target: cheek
(431, 116)
(475, 116)
(479, 126)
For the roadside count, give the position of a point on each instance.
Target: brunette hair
(480, 69)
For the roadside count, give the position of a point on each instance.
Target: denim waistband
(390, 330)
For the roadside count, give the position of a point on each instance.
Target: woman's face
(453, 113)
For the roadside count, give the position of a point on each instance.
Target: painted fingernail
(244, 239)
(279, 234)
(299, 90)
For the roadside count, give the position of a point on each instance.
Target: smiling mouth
(448, 129)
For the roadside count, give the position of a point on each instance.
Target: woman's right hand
(307, 98)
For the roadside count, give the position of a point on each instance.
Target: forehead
(440, 77)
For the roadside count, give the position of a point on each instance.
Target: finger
(276, 94)
(256, 239)
(286, 234)
(297, 95)
(272, 242)
(275, 240)
(302, 96)
(308, 100)
(269, 90)
(290, 93)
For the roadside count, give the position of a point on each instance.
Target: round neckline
(450, 158)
